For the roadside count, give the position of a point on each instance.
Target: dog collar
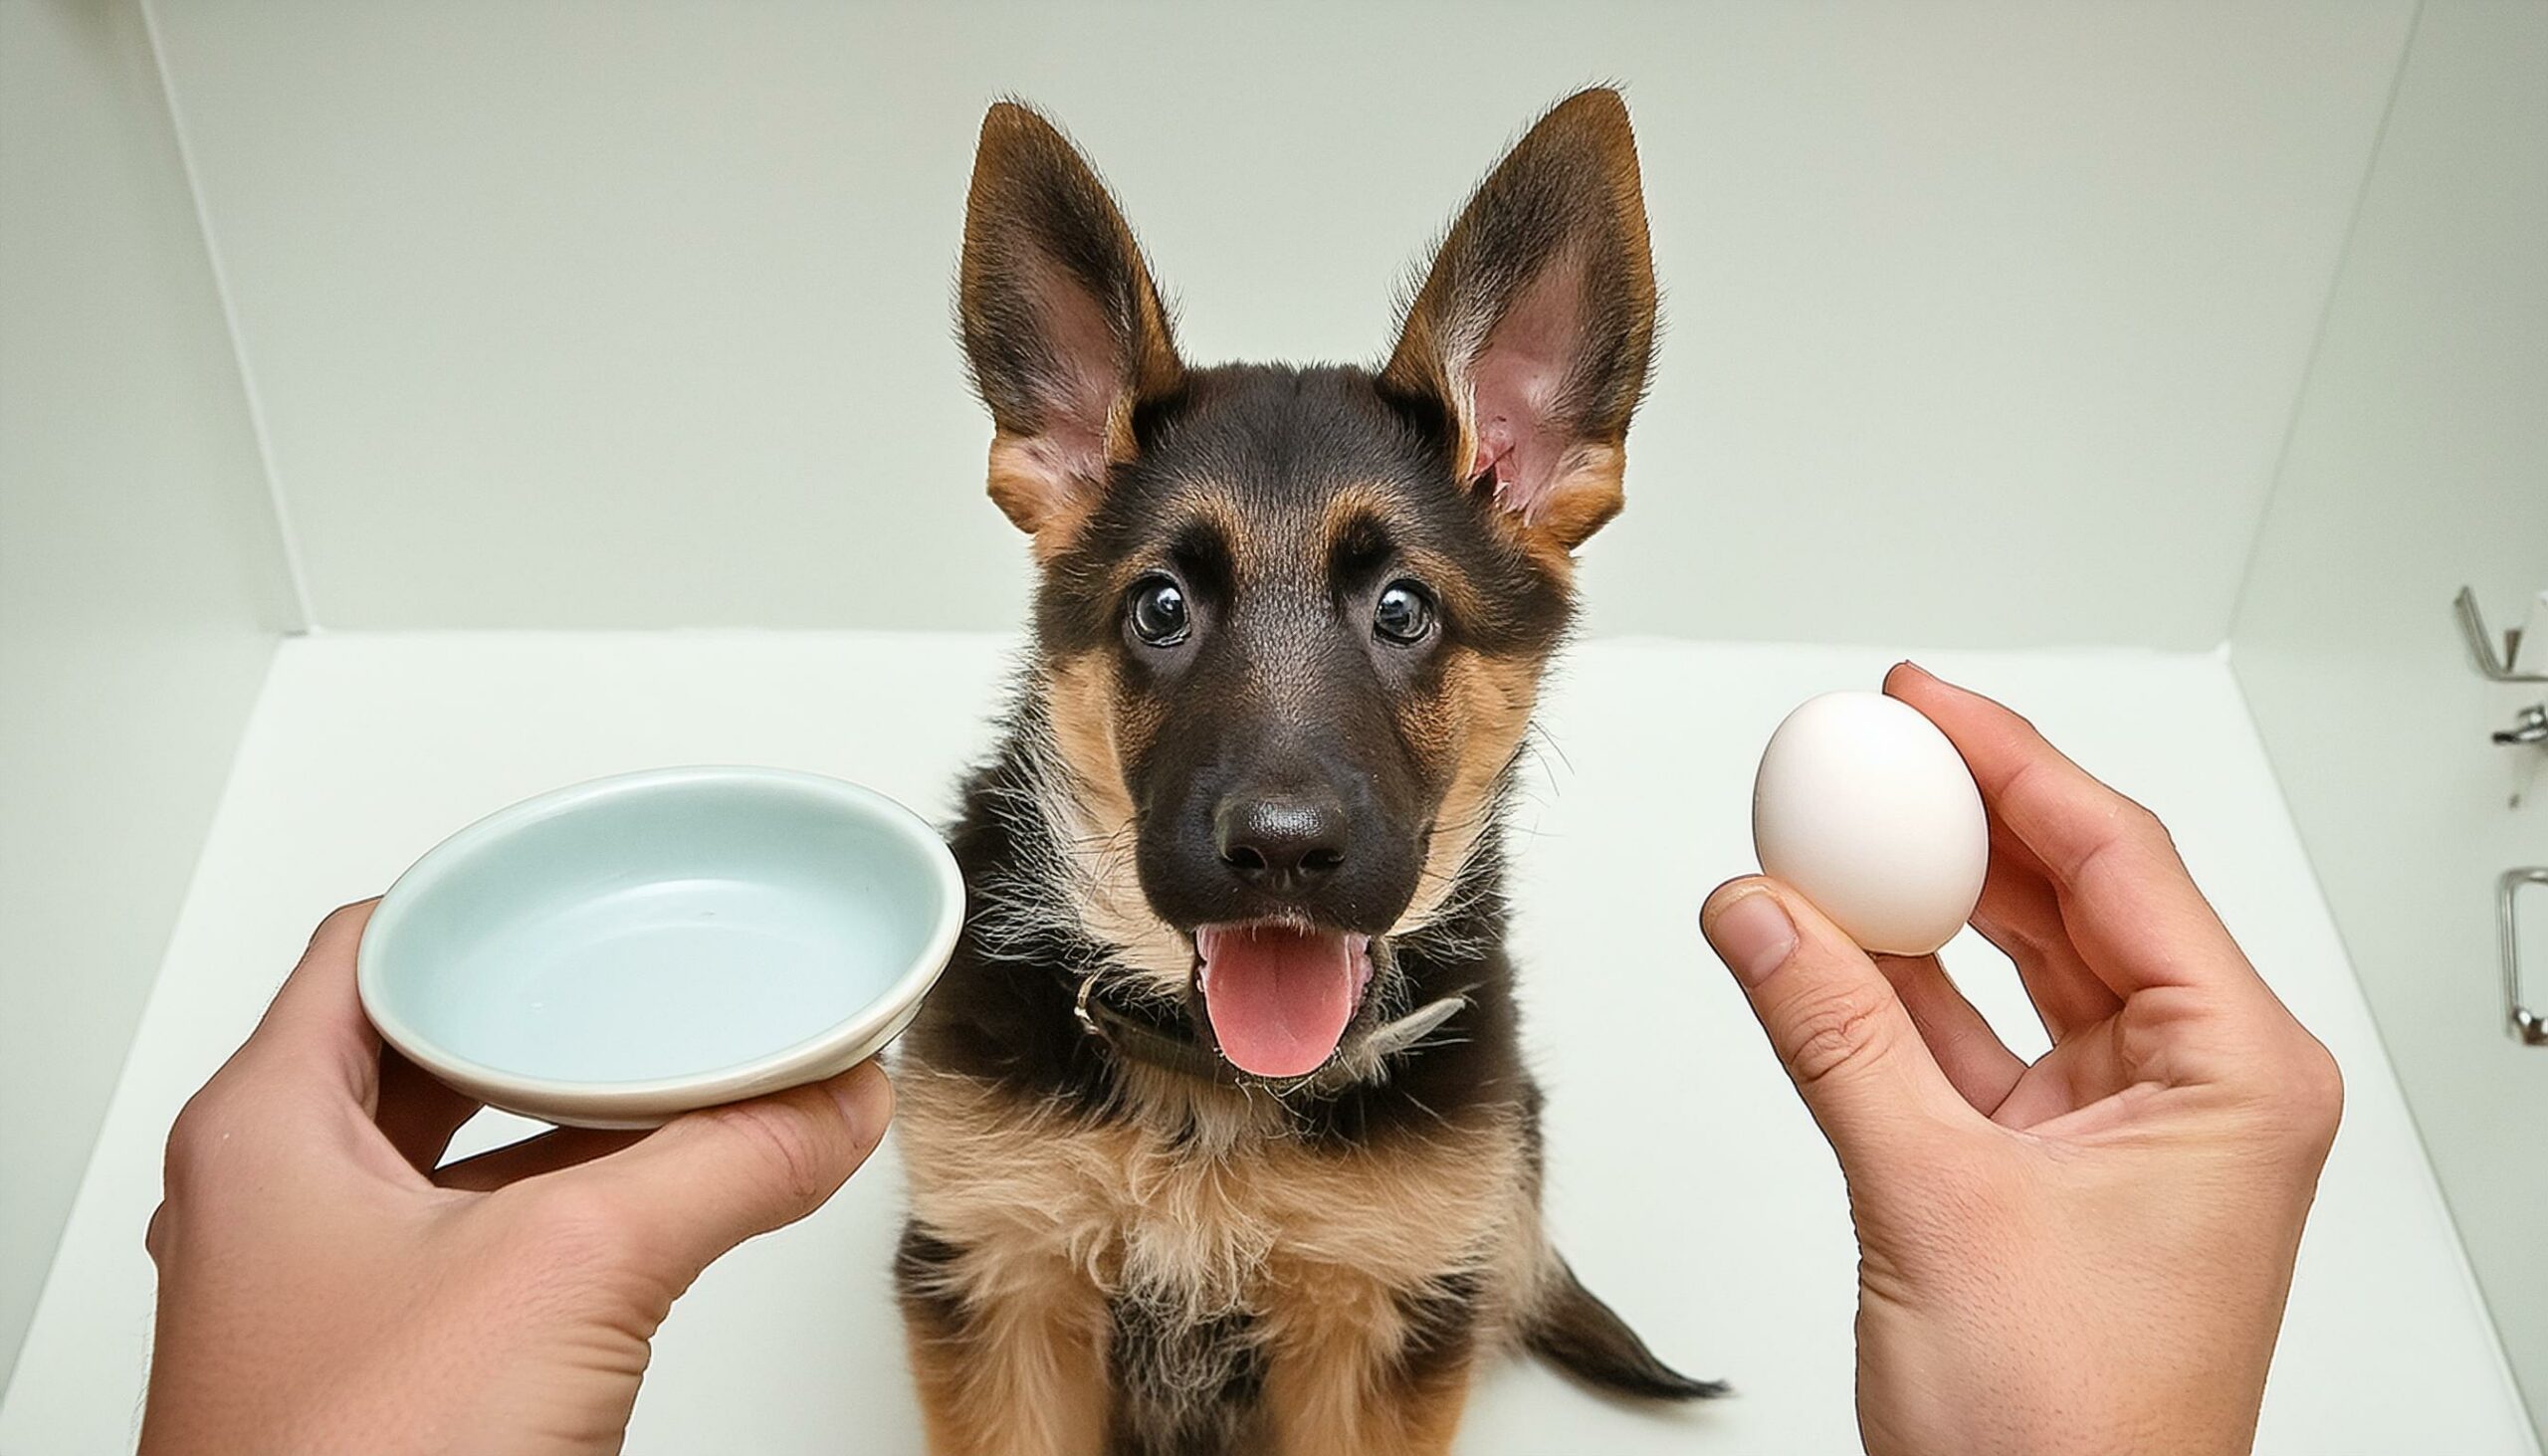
(1360, 1059)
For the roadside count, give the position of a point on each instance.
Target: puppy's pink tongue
(1279, 998)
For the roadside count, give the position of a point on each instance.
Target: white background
(1985, 320)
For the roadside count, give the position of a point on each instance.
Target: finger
(2021, 915)
(1835, 1022)
(417, 1113)
(2131, 909)
(1982, 1069)
(708, 1180)
(548, 1152)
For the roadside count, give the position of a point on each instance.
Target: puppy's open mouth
(1280, 995)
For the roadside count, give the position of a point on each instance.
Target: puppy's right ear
(1062, 326)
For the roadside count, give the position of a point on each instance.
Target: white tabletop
(1684, 1179)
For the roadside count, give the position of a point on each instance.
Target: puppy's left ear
(1535, 327)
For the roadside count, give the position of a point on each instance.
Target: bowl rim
(530, 1093)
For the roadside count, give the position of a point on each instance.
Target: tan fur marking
(1028, 1377)
(1216, 1121)
(1439, 573)
(1083, 695)
(1315, 1243)
(1487, 704)
(1094, 823)
(1587, 496)
(1023, 484)
(1196, 504)
(1330, 1388)
(1213, 506)
(1347, 505)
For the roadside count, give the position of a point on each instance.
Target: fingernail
(1752, 936)
(866, 1100)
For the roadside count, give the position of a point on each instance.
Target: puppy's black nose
(1283, 843)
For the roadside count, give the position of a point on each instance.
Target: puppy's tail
(1577, 1333)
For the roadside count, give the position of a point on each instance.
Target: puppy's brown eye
(1403, 614)
(1158, 612)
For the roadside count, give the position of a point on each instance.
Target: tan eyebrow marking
(1202, 504)
(1357, 504)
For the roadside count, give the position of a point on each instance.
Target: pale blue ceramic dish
(613, 953)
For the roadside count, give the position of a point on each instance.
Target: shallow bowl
(616, 952)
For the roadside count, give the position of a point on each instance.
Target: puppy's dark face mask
(1292, 621)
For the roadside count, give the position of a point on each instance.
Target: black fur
(1587, 1338)
(1441, 1330)
(921, 1266)
(1183, 1388)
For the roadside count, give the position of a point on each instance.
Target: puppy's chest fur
(1226, 1279)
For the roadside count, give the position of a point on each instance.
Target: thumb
(705, 1181)
(1834, 1020)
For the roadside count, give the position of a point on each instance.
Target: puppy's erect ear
(1536, 324)
(1062, 326)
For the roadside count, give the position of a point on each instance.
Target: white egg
(1864, 807)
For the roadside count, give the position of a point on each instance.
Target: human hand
(2085, 1255)
(323, 1287)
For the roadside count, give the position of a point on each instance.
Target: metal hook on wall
(2481, 644)
(2527, 1026)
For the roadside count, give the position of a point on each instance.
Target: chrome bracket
(2527, 1026)
(2481, 644)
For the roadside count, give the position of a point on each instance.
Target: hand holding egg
(1866, 809)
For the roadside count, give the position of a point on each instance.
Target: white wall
(140, 585)
(1986, 326)
(1986, 320)
(2419, 463)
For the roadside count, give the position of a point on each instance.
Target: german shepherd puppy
(1218, 1134)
